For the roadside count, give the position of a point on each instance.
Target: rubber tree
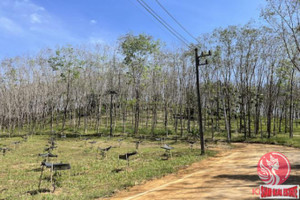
(137, 51)
(64, 61)
(283, 16)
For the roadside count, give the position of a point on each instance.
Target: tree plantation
(118, 115)
(249, 87)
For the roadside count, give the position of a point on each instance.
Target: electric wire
(181, 36)
(177, 22)
(163, 22)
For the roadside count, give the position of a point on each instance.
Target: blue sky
(26, 26)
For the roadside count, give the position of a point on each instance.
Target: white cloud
(93, 21)
(10, 26)
(21, 19)
(26, 5)
(23, 11)
(35, 18)
(32, 20)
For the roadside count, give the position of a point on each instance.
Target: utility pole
(197, 61)
(111, 92)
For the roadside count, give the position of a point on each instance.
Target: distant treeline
(252, 75)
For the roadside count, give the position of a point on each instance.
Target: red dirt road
(232, 174)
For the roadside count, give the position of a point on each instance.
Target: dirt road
(232, 174)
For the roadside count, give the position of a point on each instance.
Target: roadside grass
(278, 138)
(89, 178)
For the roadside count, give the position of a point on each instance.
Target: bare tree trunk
(66, 106)
(291, 103)
(226, 121)
(137, 110)
(111, 116)
(124, 116)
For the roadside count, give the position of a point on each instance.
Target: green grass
(276, 137)
(89, 177)
(92, 178)
(279, 139)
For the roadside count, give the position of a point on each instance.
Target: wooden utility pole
(197, 61)
(111, 93)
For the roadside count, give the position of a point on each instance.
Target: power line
(183, 28)
(138, 6)
(163, 22)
